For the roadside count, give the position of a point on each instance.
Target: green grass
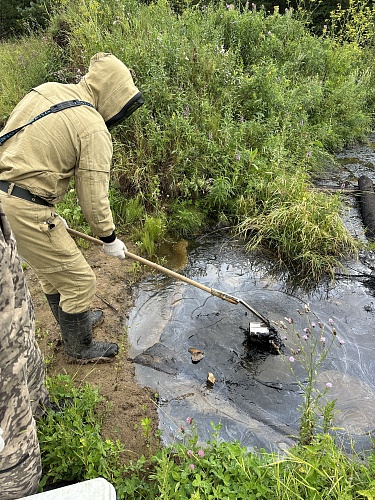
(189, 469)
(302, 225)
(24, 64)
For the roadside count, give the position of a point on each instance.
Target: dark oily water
(255, 398)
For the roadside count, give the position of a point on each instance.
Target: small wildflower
(182, 429)
(306, 330)
(238, 157)
(313, 325)
(201, 453)
(241, 119)
(291, 359)
(190, 452)
(341, 341)
(192, 466)
(210, 135)
(334, 331)
(330, 321)
(329, 385)
(305, 337)
(253, 5)
(308, 154)
(189, 420)
(269, 33)
(230, 6)
(285, 338)
(322, 339)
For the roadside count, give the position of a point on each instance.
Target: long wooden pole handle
(169, 272)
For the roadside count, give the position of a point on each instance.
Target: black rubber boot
(76, 331)
(54, 301)
(96, 317)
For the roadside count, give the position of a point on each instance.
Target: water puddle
(254, 399)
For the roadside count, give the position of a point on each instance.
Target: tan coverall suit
(45, 155)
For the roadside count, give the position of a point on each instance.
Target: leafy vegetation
(243, 107)
(71, 443)
(18, 17)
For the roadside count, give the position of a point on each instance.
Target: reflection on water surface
(255, 400)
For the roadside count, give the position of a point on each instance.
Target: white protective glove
(115, 249)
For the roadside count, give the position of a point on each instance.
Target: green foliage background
(242, 108)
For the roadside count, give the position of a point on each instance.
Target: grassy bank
(242, 109)
(192, 470)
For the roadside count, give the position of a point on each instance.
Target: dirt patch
(125, 402)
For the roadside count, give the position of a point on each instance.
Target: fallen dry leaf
(210, 378)
(196, 354)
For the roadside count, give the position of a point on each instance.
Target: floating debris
(210, 379)
(196, 354)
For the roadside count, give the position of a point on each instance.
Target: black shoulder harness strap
(53, 109)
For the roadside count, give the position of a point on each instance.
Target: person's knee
(20, 470)
(23, 480)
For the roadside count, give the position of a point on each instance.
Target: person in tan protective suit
(45, 144)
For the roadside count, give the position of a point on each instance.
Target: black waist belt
(22, 193)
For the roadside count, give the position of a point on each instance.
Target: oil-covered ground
(256, 397)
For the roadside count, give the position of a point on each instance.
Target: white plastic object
(259, 328)
(98, 489)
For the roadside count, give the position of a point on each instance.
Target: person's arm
(92, 182)
(92, 185)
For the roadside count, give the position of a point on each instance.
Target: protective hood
(111, 86)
